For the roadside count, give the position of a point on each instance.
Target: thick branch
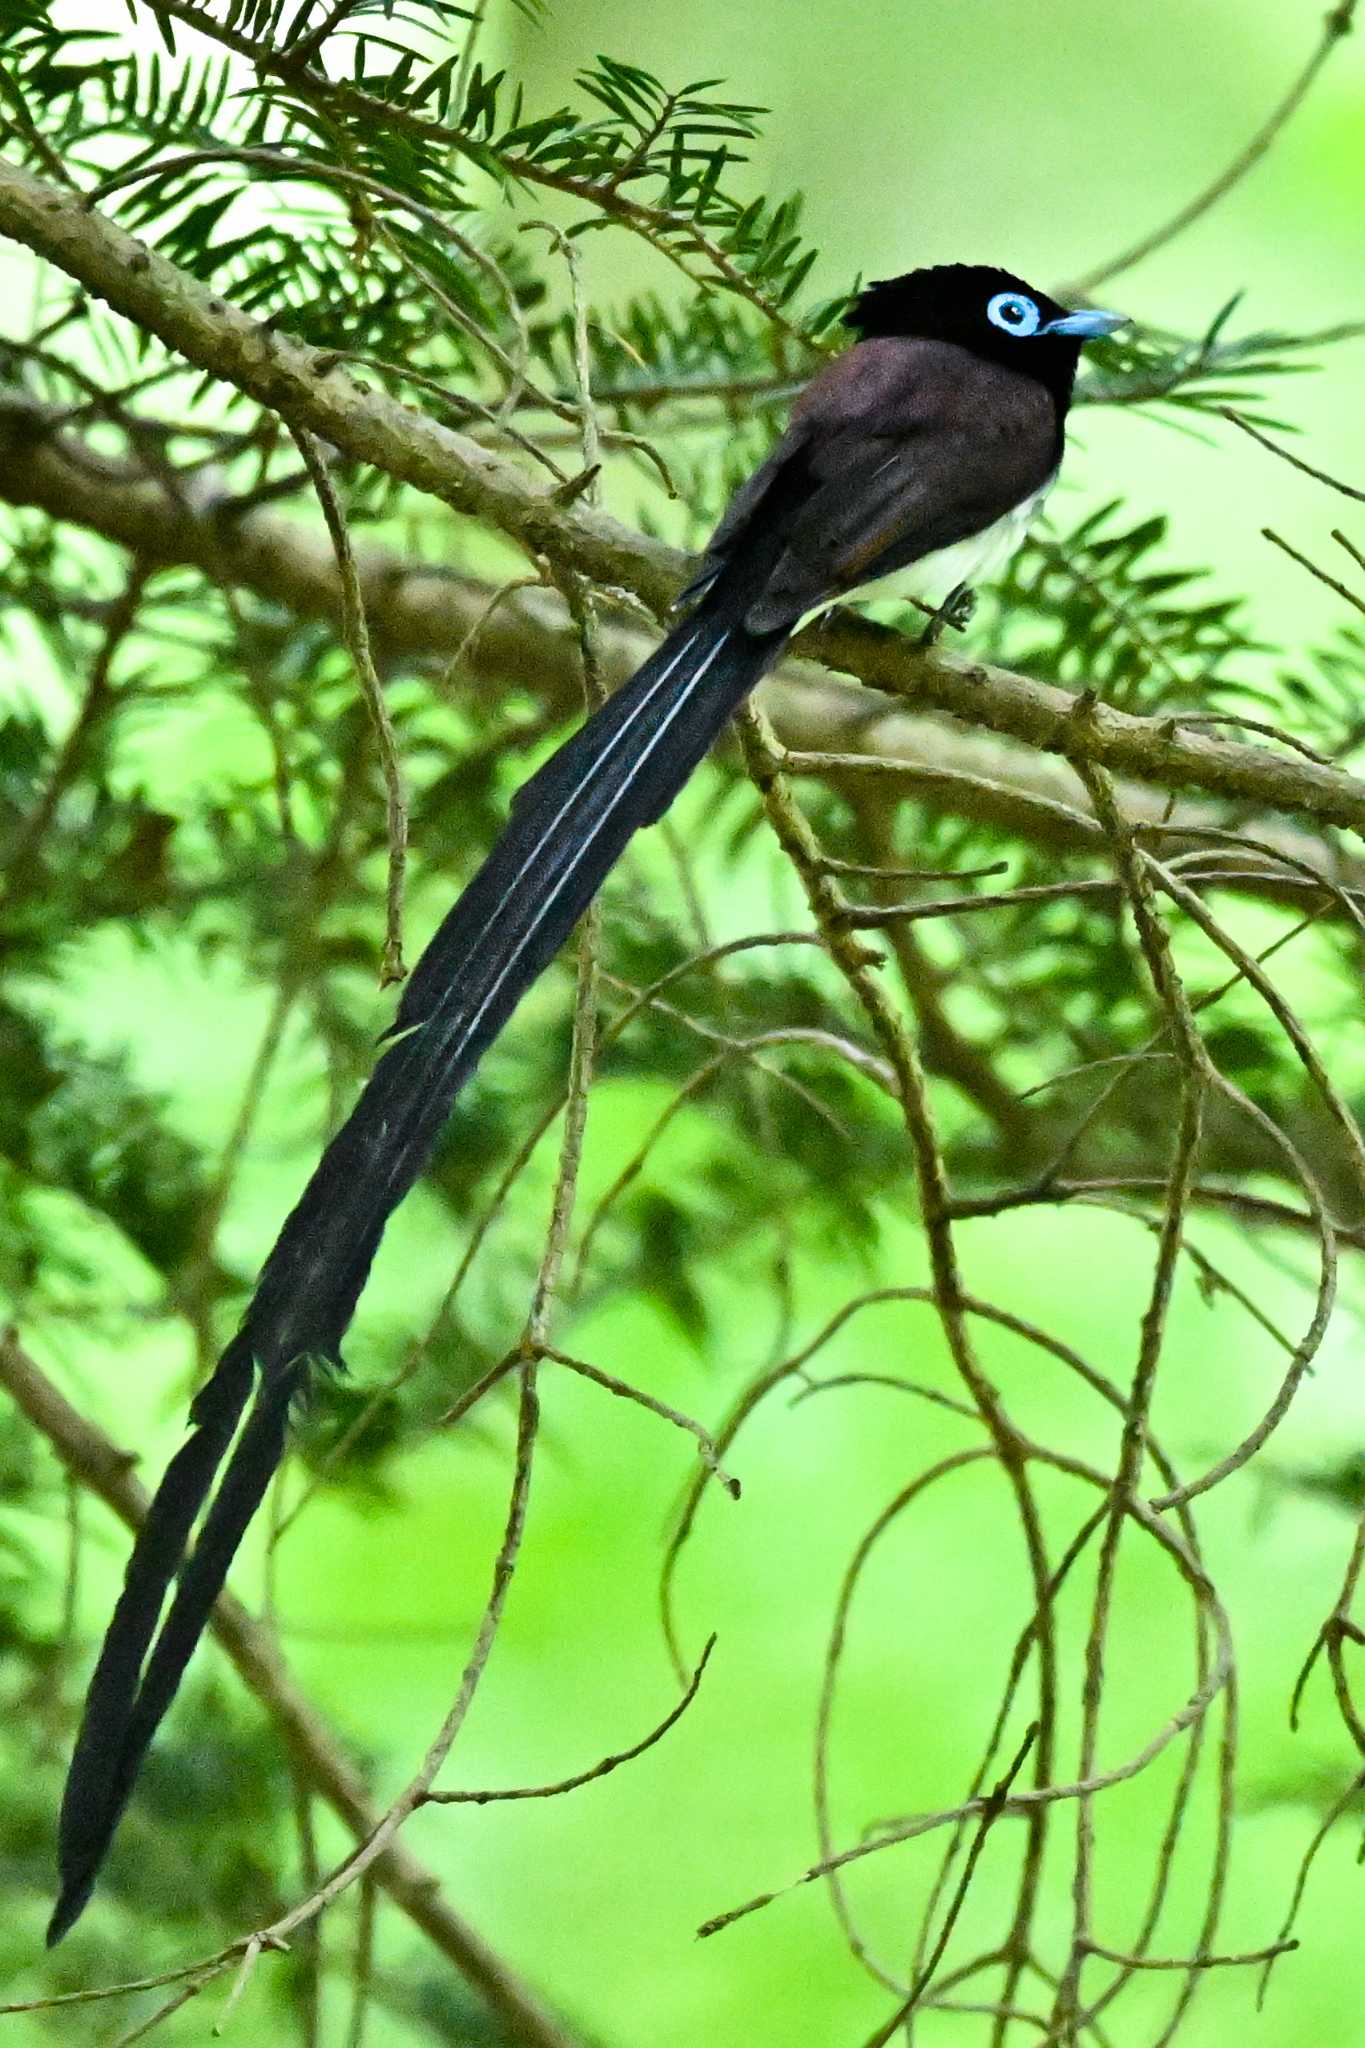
(418, 609)
(104, 1470)
(308, 389)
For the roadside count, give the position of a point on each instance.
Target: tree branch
(307, 388)
(424, 610)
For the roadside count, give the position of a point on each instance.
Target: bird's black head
(989, 311)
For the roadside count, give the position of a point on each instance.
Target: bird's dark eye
(1014, 313)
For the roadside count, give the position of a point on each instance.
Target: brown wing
(899, 448)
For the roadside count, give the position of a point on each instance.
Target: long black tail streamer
(567, 828)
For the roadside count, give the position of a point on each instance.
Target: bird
(927, 446)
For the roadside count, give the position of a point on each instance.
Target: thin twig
(1337, 25)
(601, 1769)
(358, 640)
(1321, 476)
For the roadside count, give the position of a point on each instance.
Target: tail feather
(566, 831)
(86, 1822)
(567, 828)
(98, 1793)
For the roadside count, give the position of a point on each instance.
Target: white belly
(970, 561)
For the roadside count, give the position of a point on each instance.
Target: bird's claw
(955, 612)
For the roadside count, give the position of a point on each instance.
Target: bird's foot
(955, 612)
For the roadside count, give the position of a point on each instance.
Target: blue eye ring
(1013, 313)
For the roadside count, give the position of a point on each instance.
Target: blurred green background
(1044, 139)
